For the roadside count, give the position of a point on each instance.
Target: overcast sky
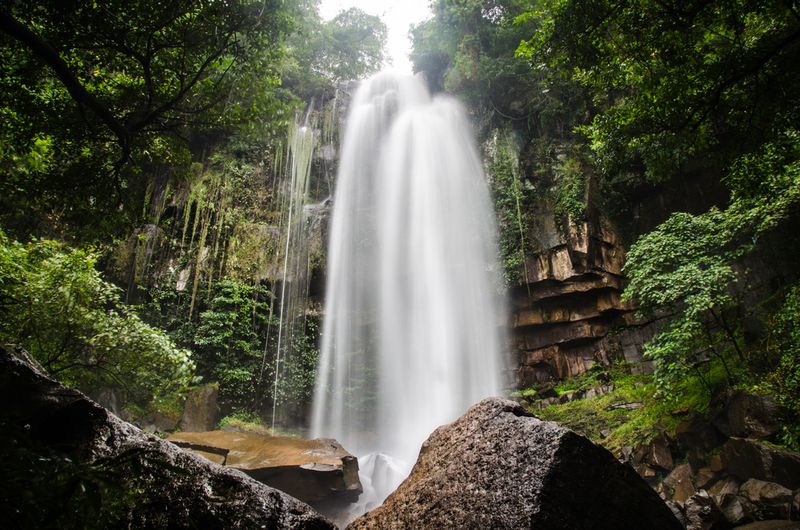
(398, 15)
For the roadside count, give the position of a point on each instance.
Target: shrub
(55, 304)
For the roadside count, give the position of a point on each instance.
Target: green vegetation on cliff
(152, 138)
(629, 411)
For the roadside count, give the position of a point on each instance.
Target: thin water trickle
(294, 274)
(411, 335)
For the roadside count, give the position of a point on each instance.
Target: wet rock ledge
(310, 470)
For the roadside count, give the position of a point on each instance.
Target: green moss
(170, 405)
(605, 420)
(134, 411)
(525, 393)
(244, 421)
(599, 375)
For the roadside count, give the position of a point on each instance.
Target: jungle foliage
(233, 341)
(120, 114)
(144, 136)
(97, 97)
(56, 305)
(100, 99)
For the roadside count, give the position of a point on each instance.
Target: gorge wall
(231, 262)
(567, 312)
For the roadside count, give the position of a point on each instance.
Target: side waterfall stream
(411, 336)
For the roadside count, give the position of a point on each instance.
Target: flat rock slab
(310, 470)
(499, 467)
(174, 489)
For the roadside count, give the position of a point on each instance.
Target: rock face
(696, 437)
(310, 470)
(679, 482)
(770, 499)
(173, 489)
(499, 467)
(727, 481)
(701, 512)
(132, 258)
(200, 412)
(570, 301)
(567, 310)
(659, 454)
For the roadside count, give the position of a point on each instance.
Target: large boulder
(747, 458)
(767, 498)
(725, 495)
(499, 467)
(158, 485)
(310, 470)
(659, 454)
(678, 485)
(697, 437)
(751, 416)
(701, 512)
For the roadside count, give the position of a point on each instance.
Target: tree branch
(40, 47)
(185, 88)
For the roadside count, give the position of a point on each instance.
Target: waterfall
(411, 336)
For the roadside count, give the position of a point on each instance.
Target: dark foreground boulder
(93, 470)
(499, 467)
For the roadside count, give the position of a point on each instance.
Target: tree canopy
(98, 96)
(677, 82)
(100, 99)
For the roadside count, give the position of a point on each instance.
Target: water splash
(411, 335)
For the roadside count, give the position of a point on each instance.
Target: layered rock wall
(569, 314)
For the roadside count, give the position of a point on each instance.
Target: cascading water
(411, 334)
